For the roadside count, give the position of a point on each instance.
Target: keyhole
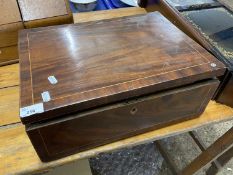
(133, 110)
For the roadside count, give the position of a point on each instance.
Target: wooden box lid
(71, 68)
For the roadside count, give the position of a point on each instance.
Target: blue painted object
(103, 5)
(119, 4)
(107, 3)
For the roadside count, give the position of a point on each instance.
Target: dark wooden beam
(203, 147)
(223, 159)
(218, 148)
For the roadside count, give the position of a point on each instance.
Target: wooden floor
(17, 155)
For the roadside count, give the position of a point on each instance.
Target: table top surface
(97, 63)
(16, 150)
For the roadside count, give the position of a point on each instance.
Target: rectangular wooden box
(89, 84)
(212, 27)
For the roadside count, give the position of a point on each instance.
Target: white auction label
(31, 110)
(46, 96)
(52, 79)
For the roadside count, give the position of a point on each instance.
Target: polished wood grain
(39, 9)
(9, 76)
(21, 158)
(166, 12)
(101, 62)
(9, 105)
(101, 15)
(9, 12)
(93, 128)
(181, 22)
(9, 34)
(198, 29)
(8, 54)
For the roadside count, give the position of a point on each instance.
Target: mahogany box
(211, 24)
(85, 85)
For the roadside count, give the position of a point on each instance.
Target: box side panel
(226, 94)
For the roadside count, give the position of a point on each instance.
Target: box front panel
(85, 131)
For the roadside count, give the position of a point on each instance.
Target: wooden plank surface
(9, 94)
(9, 12)
(9, 34)
(107, 14)
(8, 54)
(9, 105)
(9, 76)
(18, 155)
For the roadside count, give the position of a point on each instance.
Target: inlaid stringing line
(128, 81)
(29, 58)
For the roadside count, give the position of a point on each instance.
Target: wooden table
(17, 155)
